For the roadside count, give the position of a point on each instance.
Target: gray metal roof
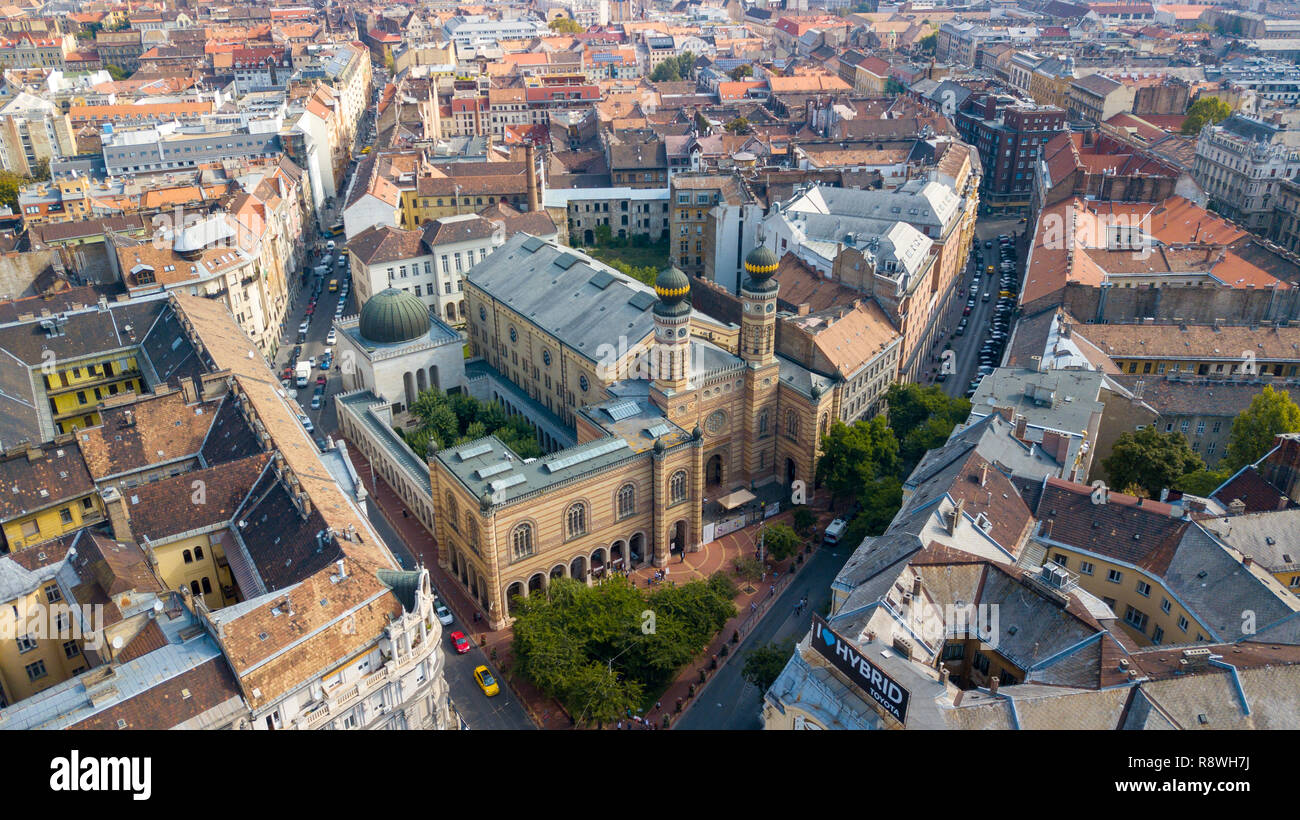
(563, 301)
(478, 466)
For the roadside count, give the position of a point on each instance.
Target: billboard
(868, 677)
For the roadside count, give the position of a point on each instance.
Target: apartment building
(33, 132)
(1240, 163)
(712, 217)
(430, 263)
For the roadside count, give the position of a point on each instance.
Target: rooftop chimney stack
(993, 685)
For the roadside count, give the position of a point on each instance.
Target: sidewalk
(712, 557)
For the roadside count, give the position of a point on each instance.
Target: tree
(389, 64)
(116, 71)
(855, 455)
(674, 68)
(929, 42)
(565, 25)
(1150, 459)
(763, 665)
(1201, 482)
(742, 71)
(9, 185)
(747, 568)
(41, 170)
(1203, 112)
(922, 418)
(803, 519)
(1271, 413)
(739, 125)
(780, 542)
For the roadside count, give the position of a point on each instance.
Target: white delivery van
(303, 372)
(834, 531)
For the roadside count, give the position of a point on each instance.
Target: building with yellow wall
(75, 388)
(30, 664)
(47, 492)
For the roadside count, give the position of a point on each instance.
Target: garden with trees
(448, 420)
(1144, 462)
(865, 463)
(606, 649)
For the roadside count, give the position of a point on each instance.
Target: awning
(731, 501)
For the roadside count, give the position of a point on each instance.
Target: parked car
(316, 401)
(331, 337)
(444, 614)
(304, 326)
(322, 444)
(306, 423)
(321, 380)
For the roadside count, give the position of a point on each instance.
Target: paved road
(502, 711)
(728, 702)
(979, 322)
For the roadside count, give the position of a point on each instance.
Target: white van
(834, 531)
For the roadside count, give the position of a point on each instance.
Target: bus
(336, 230)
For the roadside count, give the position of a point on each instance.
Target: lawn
(652, 256)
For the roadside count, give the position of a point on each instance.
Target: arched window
(762, 422)
(198, 553)
(576, 520)
(471, 529)
(825, 423)
(207, 586)
(187, 557)
(451, 311)
(791, 425)
(453, 512)
(626, 500)
(521, 541)
(677, 487)
(194, 588)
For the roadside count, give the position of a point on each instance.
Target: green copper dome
(393, 316)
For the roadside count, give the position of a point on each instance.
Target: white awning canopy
(731, 501)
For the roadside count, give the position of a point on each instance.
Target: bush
(723, 586)
(803, 519)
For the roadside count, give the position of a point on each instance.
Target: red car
(311, 309)
(287, 374)
(321, 380)
(965, 311)
(459, 641)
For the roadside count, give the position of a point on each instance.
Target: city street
(728, 702)
(967, 346)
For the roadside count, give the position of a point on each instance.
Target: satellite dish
(117, 642)
(157, 606)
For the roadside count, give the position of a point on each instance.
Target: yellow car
(365, 150)
(990, 269)
(485, 681)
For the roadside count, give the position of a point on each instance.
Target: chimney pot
(993, 685)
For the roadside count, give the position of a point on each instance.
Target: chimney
(1247, 561)
(1236, 507)
(128, 418)
(534, 203)
(984, 473)
(342, 568)
(916, 586)
(993, 685)
(118, 518)
(189, 391)
(1021, 423)
(943, 676)
(954, 517)
(34, 452)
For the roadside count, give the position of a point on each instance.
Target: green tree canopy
(1270, 413)
(922, 418)
(116, 71)
(855, 455)
(446, 421)
(1201, 482)
(603, 650)
(674, 68)
(780, 542)
(929, 42)
(739, 125)
(764, 664)
(1203, 112)
(1150, 459)
(565, 25)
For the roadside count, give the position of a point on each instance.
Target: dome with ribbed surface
(673, 289)
(761, 262)
(392, 316)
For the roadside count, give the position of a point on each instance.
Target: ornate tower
(671, 359)
(758, 296)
